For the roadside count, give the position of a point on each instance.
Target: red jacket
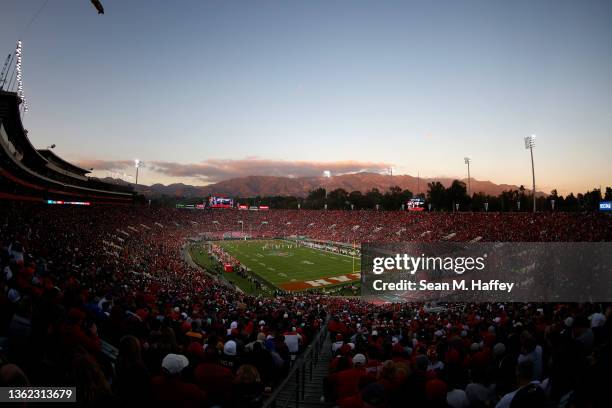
(73, 335)
(215, 380)
(347, 382)
(172, 392)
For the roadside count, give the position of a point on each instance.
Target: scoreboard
(415, 204)
(220, 202)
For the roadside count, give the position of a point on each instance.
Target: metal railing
(295, 382)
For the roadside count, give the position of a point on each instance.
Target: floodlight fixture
(467, 161)
(529, 145)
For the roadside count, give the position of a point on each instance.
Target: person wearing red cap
(435, 391)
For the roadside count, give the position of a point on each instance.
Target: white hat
(359, 359)
(262, 322)
(234, 325)
(175, 363)
(14, 295)
(597, 319)
(8, 274)
(230, 348)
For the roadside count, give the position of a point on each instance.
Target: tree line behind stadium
(441, 199)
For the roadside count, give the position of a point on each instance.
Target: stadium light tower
(467, 161)
(137, 164)
(529, 145)
(326, 176)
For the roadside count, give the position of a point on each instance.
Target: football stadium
(249, 286)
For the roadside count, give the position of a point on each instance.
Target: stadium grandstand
(107, 299)
(30, 174)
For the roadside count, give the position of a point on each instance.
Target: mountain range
(252, 186)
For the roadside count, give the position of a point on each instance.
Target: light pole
(326, 176)
(467, 161)
(530, 144)
(137, 164)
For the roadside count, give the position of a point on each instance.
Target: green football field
(292, 267)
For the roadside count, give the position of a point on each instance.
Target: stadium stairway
(307, 380)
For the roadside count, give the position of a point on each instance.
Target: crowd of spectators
(397, 226)
(471, 355)
(67, 294)
(100, 298)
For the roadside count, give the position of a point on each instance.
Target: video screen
(220, 202)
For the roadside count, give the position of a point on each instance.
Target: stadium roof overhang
(58, 161)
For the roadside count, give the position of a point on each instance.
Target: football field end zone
(320, 283)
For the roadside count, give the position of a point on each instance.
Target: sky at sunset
(202, 91)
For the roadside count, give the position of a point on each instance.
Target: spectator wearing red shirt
(214, 378)
(170, 390)
(75, 333)
(346, 382)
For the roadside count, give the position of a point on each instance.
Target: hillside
(285, 186)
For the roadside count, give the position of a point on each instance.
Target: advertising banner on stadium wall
(487, 272)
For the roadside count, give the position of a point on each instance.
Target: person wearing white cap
(170, 390)
(233, 325)
(13, 295)
(359, 360)
(174, 363)
(230, 357)
(229, 348)
(597, 319)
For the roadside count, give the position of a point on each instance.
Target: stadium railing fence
(291, 392)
